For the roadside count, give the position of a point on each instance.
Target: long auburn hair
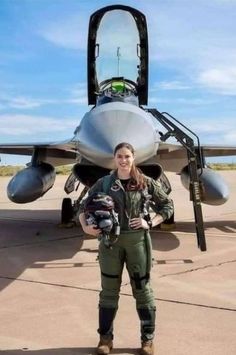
(135, 173)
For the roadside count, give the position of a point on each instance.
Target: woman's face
(124, 159)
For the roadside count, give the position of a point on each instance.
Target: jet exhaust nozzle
(89, 174)
(214, 190)
(31, 183)
(152, 170)
(156, 172)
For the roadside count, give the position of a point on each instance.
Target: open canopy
(118, 47)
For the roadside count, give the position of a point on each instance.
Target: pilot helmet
(99, 210)
(118, 87)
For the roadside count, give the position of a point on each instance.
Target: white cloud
(226, 1)
(181, 100)
(24, 103)
(172, 85)
(69, 33)
(155, 100)
(221, 80)
(231, 137)
(29, 125)
(20, 102)
(211, 126)
(78, 101)
(77, 95)
(80, 89)
(214, 131)
(193, 39)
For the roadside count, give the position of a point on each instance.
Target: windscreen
(117, 46)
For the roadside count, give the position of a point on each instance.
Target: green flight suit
(132, 248)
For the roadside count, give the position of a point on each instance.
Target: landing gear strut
(69, 209)
(67, 212)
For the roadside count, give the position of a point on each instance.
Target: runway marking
(196, 304)
(41, 241)
(66, 265)
(229, 234)
(121, 293)
(207, 218)
(172, 261)
(199, 268)
(208, 234)
(28, 220)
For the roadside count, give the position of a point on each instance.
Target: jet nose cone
(110, 124)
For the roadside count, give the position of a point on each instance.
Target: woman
(128, 187)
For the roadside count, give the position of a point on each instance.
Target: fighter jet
(119, 97)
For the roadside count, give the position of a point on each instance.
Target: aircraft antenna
(118, 60)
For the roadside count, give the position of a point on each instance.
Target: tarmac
(50, 281)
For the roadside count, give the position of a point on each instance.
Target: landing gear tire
(66, 211)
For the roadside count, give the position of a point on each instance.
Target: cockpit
(117, 89)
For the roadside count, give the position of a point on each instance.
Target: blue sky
(43, 89)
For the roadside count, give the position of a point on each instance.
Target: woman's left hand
(138, 223)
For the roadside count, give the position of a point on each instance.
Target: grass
(10, 170)
(222, 166)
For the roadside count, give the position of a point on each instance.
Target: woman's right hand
(92, 229)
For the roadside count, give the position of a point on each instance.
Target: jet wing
(55, 153)
(62, 153)
(173, 157)
(175, 151)
(218, 151)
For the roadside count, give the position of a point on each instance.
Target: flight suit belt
(131, 231)
(127, 234)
